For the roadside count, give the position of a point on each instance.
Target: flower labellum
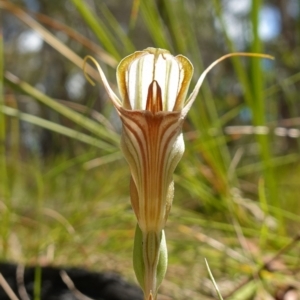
(153, 85)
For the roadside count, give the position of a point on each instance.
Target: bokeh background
(64, 185)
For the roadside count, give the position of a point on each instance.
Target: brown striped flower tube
(153, 85)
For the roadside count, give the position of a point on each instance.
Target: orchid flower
(153, 85)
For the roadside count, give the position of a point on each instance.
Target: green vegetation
(64, 184)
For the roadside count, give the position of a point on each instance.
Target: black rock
(97, 286)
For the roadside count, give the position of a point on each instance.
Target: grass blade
(4, 184)
(74, 134)
(213, 280)
(75, 35)
(78, 118)
(49, 38)
(98, 27)
(118, 30)
(154, 24)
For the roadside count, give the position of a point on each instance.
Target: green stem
(37, 282)
(150, 260)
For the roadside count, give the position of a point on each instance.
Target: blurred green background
(64, 185)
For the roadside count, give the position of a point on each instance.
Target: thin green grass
(100, 30)
(213, 281)
(4, 181)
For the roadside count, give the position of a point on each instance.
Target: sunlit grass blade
(48, 37)
(259, 108)
(88, 112)
(275, 162)
(87, 160)
(117, 29)
(264, 206)
(154, 24)
(203, 238)
(65, 164)
(253, 87)
(7, 289)
(100, 161)
(246, 292)
(98, 27)
(79, 119)
(285, 83)
(4, 179)
(75, 35)
(174, 24)
(74, 134)
(213, 280)
(192, 219)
